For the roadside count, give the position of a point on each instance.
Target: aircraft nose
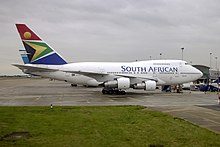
(200, 74)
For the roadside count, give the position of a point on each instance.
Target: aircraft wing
(31, 68)
(100, 76)
(139, 77)
(86, 72)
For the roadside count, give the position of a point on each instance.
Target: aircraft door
(177, 74)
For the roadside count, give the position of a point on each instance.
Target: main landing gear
(113, 91)
(73, 85)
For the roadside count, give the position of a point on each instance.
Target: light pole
(210, 60)
(182, 52)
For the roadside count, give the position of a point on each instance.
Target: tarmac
(199, 108)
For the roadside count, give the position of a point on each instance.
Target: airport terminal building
(208, 74)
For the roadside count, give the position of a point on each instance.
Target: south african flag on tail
(38, 51)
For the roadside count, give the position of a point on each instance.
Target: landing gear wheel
(122, 92)
(104, 91)
(73, 85)
(113, 91)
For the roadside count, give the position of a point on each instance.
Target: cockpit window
(186, 63)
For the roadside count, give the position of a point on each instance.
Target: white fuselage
(166, 72)
(162, 72)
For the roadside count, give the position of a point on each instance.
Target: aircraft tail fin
(37, 50)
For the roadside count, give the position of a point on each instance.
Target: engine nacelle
(150, 85)
(120, 83)
(146, 85)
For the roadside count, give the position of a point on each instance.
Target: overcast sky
(114, 30)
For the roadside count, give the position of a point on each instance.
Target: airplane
(115, 77)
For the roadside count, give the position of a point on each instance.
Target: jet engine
(146, 85)
(119, 83)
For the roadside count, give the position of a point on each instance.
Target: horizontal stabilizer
(30, 67)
